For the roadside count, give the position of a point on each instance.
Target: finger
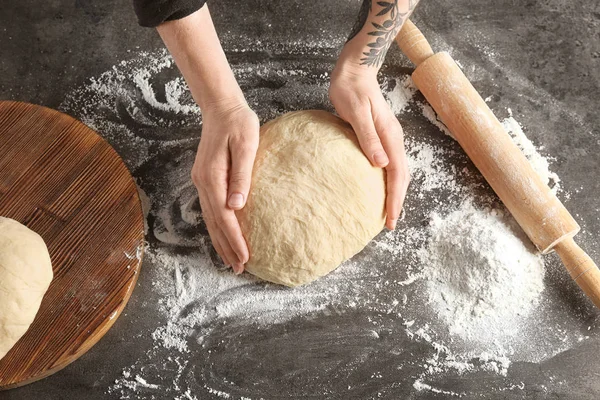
(219, 235)
(397, 170)
(229, 253)
(209, 220)
(212, 184)
(368, 138)
(200, 178)
(218, 246)
(397, 184)
(225, 218)
(243, 152)
(231, 230)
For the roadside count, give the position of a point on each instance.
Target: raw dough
(25, 274)
(315, 199)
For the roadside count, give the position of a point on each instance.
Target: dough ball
(25, 274)
(315, 200)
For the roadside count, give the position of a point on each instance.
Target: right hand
(222, 173)
(357, 98)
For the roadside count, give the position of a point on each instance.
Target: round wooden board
(65, 182)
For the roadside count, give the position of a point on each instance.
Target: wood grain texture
(413, 43)
(66, 183)
(581, 267)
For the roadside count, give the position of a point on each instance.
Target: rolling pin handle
(413, 44)
(581, 267)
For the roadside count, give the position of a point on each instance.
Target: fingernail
(236, 200)
(238, 269)
(380, 158)
(394, 221)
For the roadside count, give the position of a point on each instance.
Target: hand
(222, 173)
(357, 98)
(223, 166)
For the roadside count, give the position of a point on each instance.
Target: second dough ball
(315, 200)
(25, 274)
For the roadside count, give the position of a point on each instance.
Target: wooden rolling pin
(539, 212)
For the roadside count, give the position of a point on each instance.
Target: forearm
(195, 47)
(376, 28)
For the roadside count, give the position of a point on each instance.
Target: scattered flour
(420, 385)
(426, 162)
(125, 106)
(401, 95)
(432, 117)
(217, 294)
(472, 265)
(142, 383)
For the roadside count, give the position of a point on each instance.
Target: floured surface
(371, 328)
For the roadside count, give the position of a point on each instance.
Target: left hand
(357, 98)
(222, 174)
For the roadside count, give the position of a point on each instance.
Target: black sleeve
(152, 13)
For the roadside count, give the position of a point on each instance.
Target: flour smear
(458, 278)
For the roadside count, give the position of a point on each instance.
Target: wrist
(224, 106)
(349, 63)
(219, 96)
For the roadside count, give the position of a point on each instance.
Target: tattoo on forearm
(384, 33)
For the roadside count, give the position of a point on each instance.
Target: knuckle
(198, 176)
(399, 175)
(371, 139)
(239, 178)
(251, 143)
(195, 177)
(209, 221)
(251, 124)
(213, 177)
(219, 220)
(245, 146)
(254, 120)
(206, 177)
(393, 169)
(393, 134)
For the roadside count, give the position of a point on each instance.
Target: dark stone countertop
(540, 58)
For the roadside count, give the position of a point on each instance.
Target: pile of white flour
(483, 276)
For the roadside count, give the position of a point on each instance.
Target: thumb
(240, 175)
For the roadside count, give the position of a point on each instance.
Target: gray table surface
(49, 48)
